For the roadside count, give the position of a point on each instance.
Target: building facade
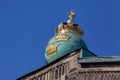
(68, 58)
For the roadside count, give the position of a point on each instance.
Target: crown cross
(71, 15)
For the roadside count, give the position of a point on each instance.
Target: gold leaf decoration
(62, 37)
(52, 49)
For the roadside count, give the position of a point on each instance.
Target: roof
(83, 57)
(47, 65)
(105, 59)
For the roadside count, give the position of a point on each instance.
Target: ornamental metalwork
(52, 49)
(62, 37)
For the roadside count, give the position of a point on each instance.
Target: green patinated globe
(68, 38)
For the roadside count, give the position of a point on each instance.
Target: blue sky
(27, 25)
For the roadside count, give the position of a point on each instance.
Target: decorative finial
(71, 15)
(68, 26)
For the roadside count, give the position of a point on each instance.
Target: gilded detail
(71, 15)
(52, 49)
(70, 25)
(62, 28)
(62, 37)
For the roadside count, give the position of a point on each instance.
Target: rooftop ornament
(71, 15)
(68, 38)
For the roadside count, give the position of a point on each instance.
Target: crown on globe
(52, 49)
(69, 25)
(62, 37)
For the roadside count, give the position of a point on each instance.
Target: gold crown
(62, 37)
(69, 25)
(52, 49)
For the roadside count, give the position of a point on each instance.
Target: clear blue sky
(27, 25)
